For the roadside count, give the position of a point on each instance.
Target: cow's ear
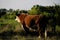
(17, 14)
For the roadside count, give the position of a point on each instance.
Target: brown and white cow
(33, 23)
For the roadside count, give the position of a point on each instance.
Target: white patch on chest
(18, 20)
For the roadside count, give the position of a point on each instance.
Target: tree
(35, 10)
(23, 11)
(10, 10)
(3, 12)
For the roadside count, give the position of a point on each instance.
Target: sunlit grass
(58, 28)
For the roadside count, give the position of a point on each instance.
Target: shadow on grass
(50, 34)
(9, 34)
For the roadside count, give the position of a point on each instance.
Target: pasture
(11, 30)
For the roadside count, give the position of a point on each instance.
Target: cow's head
(20, 17)
(17, 19)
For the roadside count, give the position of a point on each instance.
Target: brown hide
(27, 18)
(30, 20)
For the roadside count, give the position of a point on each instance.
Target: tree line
(50, 11)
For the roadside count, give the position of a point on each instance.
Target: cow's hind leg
(39, 31)
(45, 34)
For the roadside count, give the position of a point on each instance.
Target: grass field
(11, 30)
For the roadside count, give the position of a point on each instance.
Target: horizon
(26, 4)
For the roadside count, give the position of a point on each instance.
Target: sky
(26, 4)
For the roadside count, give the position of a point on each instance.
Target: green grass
(58, 28)
(8, 23)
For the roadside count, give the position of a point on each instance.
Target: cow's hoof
(39, 36)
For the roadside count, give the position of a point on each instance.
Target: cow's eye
(17, 19)
(15, 16)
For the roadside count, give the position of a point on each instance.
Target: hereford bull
(32, 23)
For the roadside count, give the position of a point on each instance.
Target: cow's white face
(17, 19)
